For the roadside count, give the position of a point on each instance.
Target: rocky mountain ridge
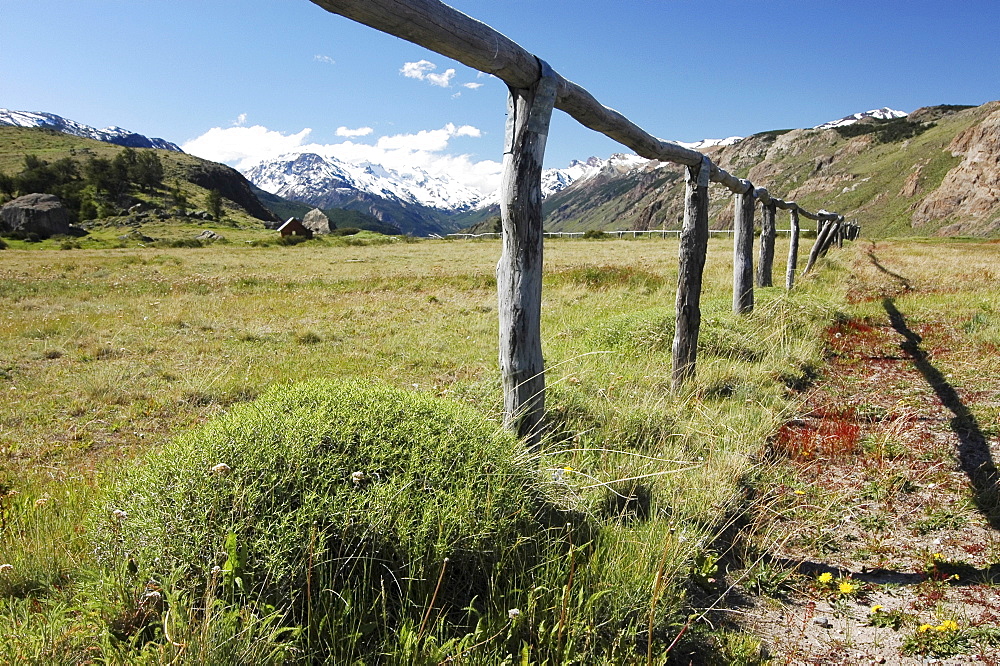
(116, 135)
(933, 171)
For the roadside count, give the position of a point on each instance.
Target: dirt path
(884, 500)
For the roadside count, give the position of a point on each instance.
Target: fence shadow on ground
(974, 455)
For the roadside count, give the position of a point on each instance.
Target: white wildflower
(4, 568)
(514, 613)
(357, 478)
(222, 469)
(119, 515)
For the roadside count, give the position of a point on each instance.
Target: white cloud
(443, 80)
(417, 70)
(325, 59)
(241, 120)
(361, 131)
(424, 70)
(243, 147)
(472, 86)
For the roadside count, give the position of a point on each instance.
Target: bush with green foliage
(330, 500)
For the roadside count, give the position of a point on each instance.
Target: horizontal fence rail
(534, 90)
(618, 233)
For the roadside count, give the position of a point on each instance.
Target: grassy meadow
(108, 356)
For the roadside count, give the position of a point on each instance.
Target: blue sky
(235, 80)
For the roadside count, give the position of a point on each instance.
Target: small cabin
(294, 227)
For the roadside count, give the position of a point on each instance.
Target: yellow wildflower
(948, 625)
(924, 628)
(875, 609)
(800, 492)
(825, 577)
(846, 587)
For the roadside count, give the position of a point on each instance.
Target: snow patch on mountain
(311, 177)
(115, 135)
(709, 143)
(885, 113)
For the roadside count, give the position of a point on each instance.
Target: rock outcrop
(971, 190)
(317, 221)
(39, 215)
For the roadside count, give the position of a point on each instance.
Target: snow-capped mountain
(885, 113)
(115, 135)
(708, 143)
(325, 181)
(557, 180)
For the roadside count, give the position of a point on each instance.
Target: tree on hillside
(214, 204)
(7, 188)
(107, 177)
(41, 176)
(60, 178)
(149, 170)
(178, 197)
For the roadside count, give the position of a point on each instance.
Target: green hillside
(105, 185)
(936, 172)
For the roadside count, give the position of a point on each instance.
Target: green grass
(111, 357)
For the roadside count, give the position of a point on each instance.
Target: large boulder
(42, 215)
(317, 221)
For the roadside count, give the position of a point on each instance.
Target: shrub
(329, 496)
(594, 233)
(292, 240)
(644, 330)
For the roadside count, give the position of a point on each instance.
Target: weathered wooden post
(519, 272)
(743, 251)
(831, 238)
(693, 249)
(765, 264)
(825, 229)
(793, 249)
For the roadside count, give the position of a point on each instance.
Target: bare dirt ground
(886, 503)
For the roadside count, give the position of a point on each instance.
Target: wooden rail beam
(445, 30)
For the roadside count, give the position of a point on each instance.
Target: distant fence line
(534, 90)
(650, 233)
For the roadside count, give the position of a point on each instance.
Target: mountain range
(115, 135)
(934, 170)
(421, 203)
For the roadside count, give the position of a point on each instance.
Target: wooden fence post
(831, 238)
(743, 251)
(825, 229)
(793, 249)
(519, 272)
(693, 249)
(765, 263)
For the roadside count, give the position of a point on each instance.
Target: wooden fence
(615, 233)
(534, 89)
